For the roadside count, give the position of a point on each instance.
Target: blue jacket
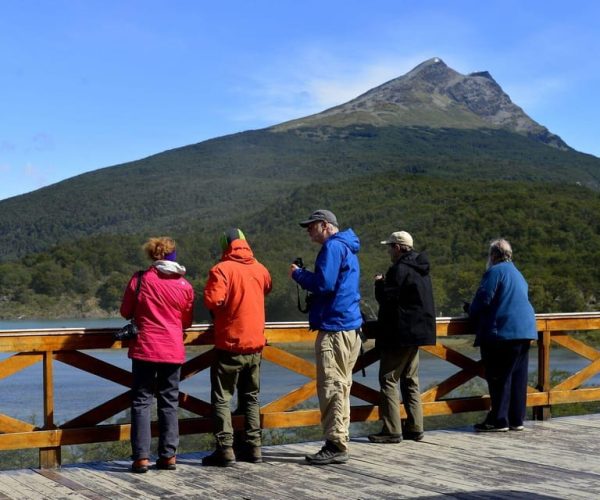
(335, 300)
(501, 309)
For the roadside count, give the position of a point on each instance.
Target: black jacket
(406, 310)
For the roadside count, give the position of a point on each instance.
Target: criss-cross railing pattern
(30, 347)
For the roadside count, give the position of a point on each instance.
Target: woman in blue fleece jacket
(505, 325)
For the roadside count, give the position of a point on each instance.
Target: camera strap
(138, 286)
(304, 309)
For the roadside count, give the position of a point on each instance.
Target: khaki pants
(400, 365)
(336, 353)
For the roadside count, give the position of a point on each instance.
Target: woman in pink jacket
(162, 309)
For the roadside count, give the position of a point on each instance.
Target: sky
(86, 84)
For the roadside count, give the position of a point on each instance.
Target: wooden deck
(559, 458)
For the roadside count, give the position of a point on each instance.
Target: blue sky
(86, 84)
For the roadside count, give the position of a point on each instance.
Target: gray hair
(500, 251)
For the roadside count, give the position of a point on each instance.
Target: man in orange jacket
(235, 295)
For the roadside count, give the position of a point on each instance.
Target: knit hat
(230, 235)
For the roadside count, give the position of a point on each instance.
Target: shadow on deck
(559, 458)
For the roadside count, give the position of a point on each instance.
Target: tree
(50, 279)
(111, 292)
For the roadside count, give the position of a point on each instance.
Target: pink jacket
(163, 310)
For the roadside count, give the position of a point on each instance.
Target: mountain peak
(433, 95)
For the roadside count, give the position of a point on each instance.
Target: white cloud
(315, 82)
(537, 92)
(7, 146)
(42, 142)
(35, 174)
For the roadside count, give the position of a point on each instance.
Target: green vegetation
(554, 229)
(244, 173)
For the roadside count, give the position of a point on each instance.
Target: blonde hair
(157, 248)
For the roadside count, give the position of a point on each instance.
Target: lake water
(77, 391)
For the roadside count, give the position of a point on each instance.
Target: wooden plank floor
(555, 459)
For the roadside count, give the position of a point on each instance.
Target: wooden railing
(66, 345)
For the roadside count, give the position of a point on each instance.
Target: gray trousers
(228, 372)
(400, 365)
(162, 380)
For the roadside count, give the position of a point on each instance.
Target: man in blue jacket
(505, 325)
(335, 313)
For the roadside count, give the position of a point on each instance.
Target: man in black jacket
(406, 321)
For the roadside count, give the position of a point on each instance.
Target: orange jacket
(235, 294)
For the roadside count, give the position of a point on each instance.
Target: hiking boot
(516, 428)
(382, 437)
(413, 435)
(140, 466)
(221, 457)
(252, 454)
(329, 454)
(485, 427)
(166, 463)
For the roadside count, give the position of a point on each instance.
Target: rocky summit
(433, 95)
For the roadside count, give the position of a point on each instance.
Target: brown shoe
(252, 454)
(140, 466)
(221, 457)
(166, 463)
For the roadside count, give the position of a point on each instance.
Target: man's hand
(293, 267)
(379, 277)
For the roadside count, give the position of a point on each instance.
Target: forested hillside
(248, 171)
(445, 156)
(555, 231)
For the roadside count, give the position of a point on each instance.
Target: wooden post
(543, 412)
(49, 457)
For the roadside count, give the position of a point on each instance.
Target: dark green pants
(400, 365)
(228, 372)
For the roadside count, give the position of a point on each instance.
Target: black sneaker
(484, 427)
(413, 435)
(329, 454)
(384, 438)
(221, 457)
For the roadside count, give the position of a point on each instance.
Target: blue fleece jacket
(334, 285)
(501, 309)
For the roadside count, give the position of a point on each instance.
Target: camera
(128, 332)
(307, 297)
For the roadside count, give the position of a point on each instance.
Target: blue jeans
(506, 365)
(162, 380)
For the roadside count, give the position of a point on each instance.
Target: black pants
(506, 365)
